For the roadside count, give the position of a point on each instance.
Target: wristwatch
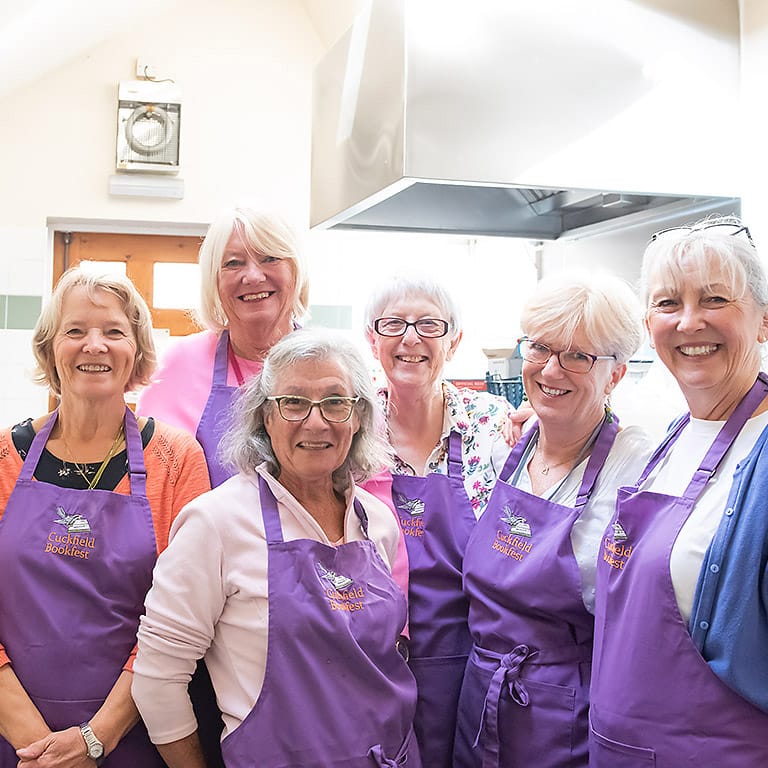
(95, 747)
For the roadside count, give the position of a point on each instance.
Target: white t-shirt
(625, 462)
(672, 476)
(210, 598)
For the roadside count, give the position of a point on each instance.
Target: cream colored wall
(752, 152)
(245, 70)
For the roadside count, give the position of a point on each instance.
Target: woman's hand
(512, 429)
(60, 749)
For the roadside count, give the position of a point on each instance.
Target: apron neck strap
(603, 442)
(726, 437)
(455, 463)
(36, 449)
(133, 448)
(272, 527)
(220, 360)
(518, 453)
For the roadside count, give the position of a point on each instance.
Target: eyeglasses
(570, 359)
(335, 409)
(728, 229)
(427, 327)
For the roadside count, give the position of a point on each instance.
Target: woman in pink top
(253, 291)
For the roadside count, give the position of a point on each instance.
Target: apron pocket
(606, 752)
(549, 725)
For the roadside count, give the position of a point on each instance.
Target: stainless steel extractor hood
(526, 118)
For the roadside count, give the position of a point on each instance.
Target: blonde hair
(600, 305)
(134, 306)
(265, 233)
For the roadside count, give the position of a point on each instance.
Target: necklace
(546, 467)
(84, 470)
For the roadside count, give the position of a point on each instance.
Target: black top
(51, 469)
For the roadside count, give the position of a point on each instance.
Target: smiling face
(309, 451)
(255, 289)
(562, 398)
(706, 336)
(410, 361)
(94, 349)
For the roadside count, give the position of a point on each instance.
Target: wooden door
(144, 257)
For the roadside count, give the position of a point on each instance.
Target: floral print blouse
(478, 417)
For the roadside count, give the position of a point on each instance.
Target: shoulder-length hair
(265, 233)
(134, 306)
(247, 444)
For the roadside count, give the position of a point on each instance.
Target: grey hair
(601, 305)
(246, 444)
(413, 286)
(708, 249)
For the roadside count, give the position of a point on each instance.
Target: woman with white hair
(448, 448)
(529, 568)
(683, 572)
(280, 577)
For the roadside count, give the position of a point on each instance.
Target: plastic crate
(510, 389)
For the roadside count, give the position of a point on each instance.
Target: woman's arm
(66, 749)
(184, 753)
(20, 721)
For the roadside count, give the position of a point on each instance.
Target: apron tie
(507, 673)
(381, 759)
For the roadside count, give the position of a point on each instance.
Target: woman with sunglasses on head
(448, 446)
(683, 571)
(529, 568)
(280, 577)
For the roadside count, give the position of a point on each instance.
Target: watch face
(95, 751)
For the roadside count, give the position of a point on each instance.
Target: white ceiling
(37, 36)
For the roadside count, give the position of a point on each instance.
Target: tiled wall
(24, 282)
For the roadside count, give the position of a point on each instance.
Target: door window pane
(176, 286)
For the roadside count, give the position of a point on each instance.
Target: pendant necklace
(82, 469)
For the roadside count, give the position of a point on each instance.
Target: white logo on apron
(73, 523)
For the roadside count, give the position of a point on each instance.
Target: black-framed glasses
(427, 327)
(336, 409)
(733, 230)
(572, 360)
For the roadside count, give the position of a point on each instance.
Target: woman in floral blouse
(448, 449)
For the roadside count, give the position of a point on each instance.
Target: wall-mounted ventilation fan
(148, 126)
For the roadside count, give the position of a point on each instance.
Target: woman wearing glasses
(529, 568)
(448, 447)
(280, 577)
(682, 574)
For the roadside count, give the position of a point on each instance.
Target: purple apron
(210, 430)
(75, 567)
(655, 700)
(525, 694)
(436, 518)
(213, 422)
(336, 691)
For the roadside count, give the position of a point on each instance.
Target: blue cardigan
(729, 621)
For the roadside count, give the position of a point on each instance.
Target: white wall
(245, 69)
